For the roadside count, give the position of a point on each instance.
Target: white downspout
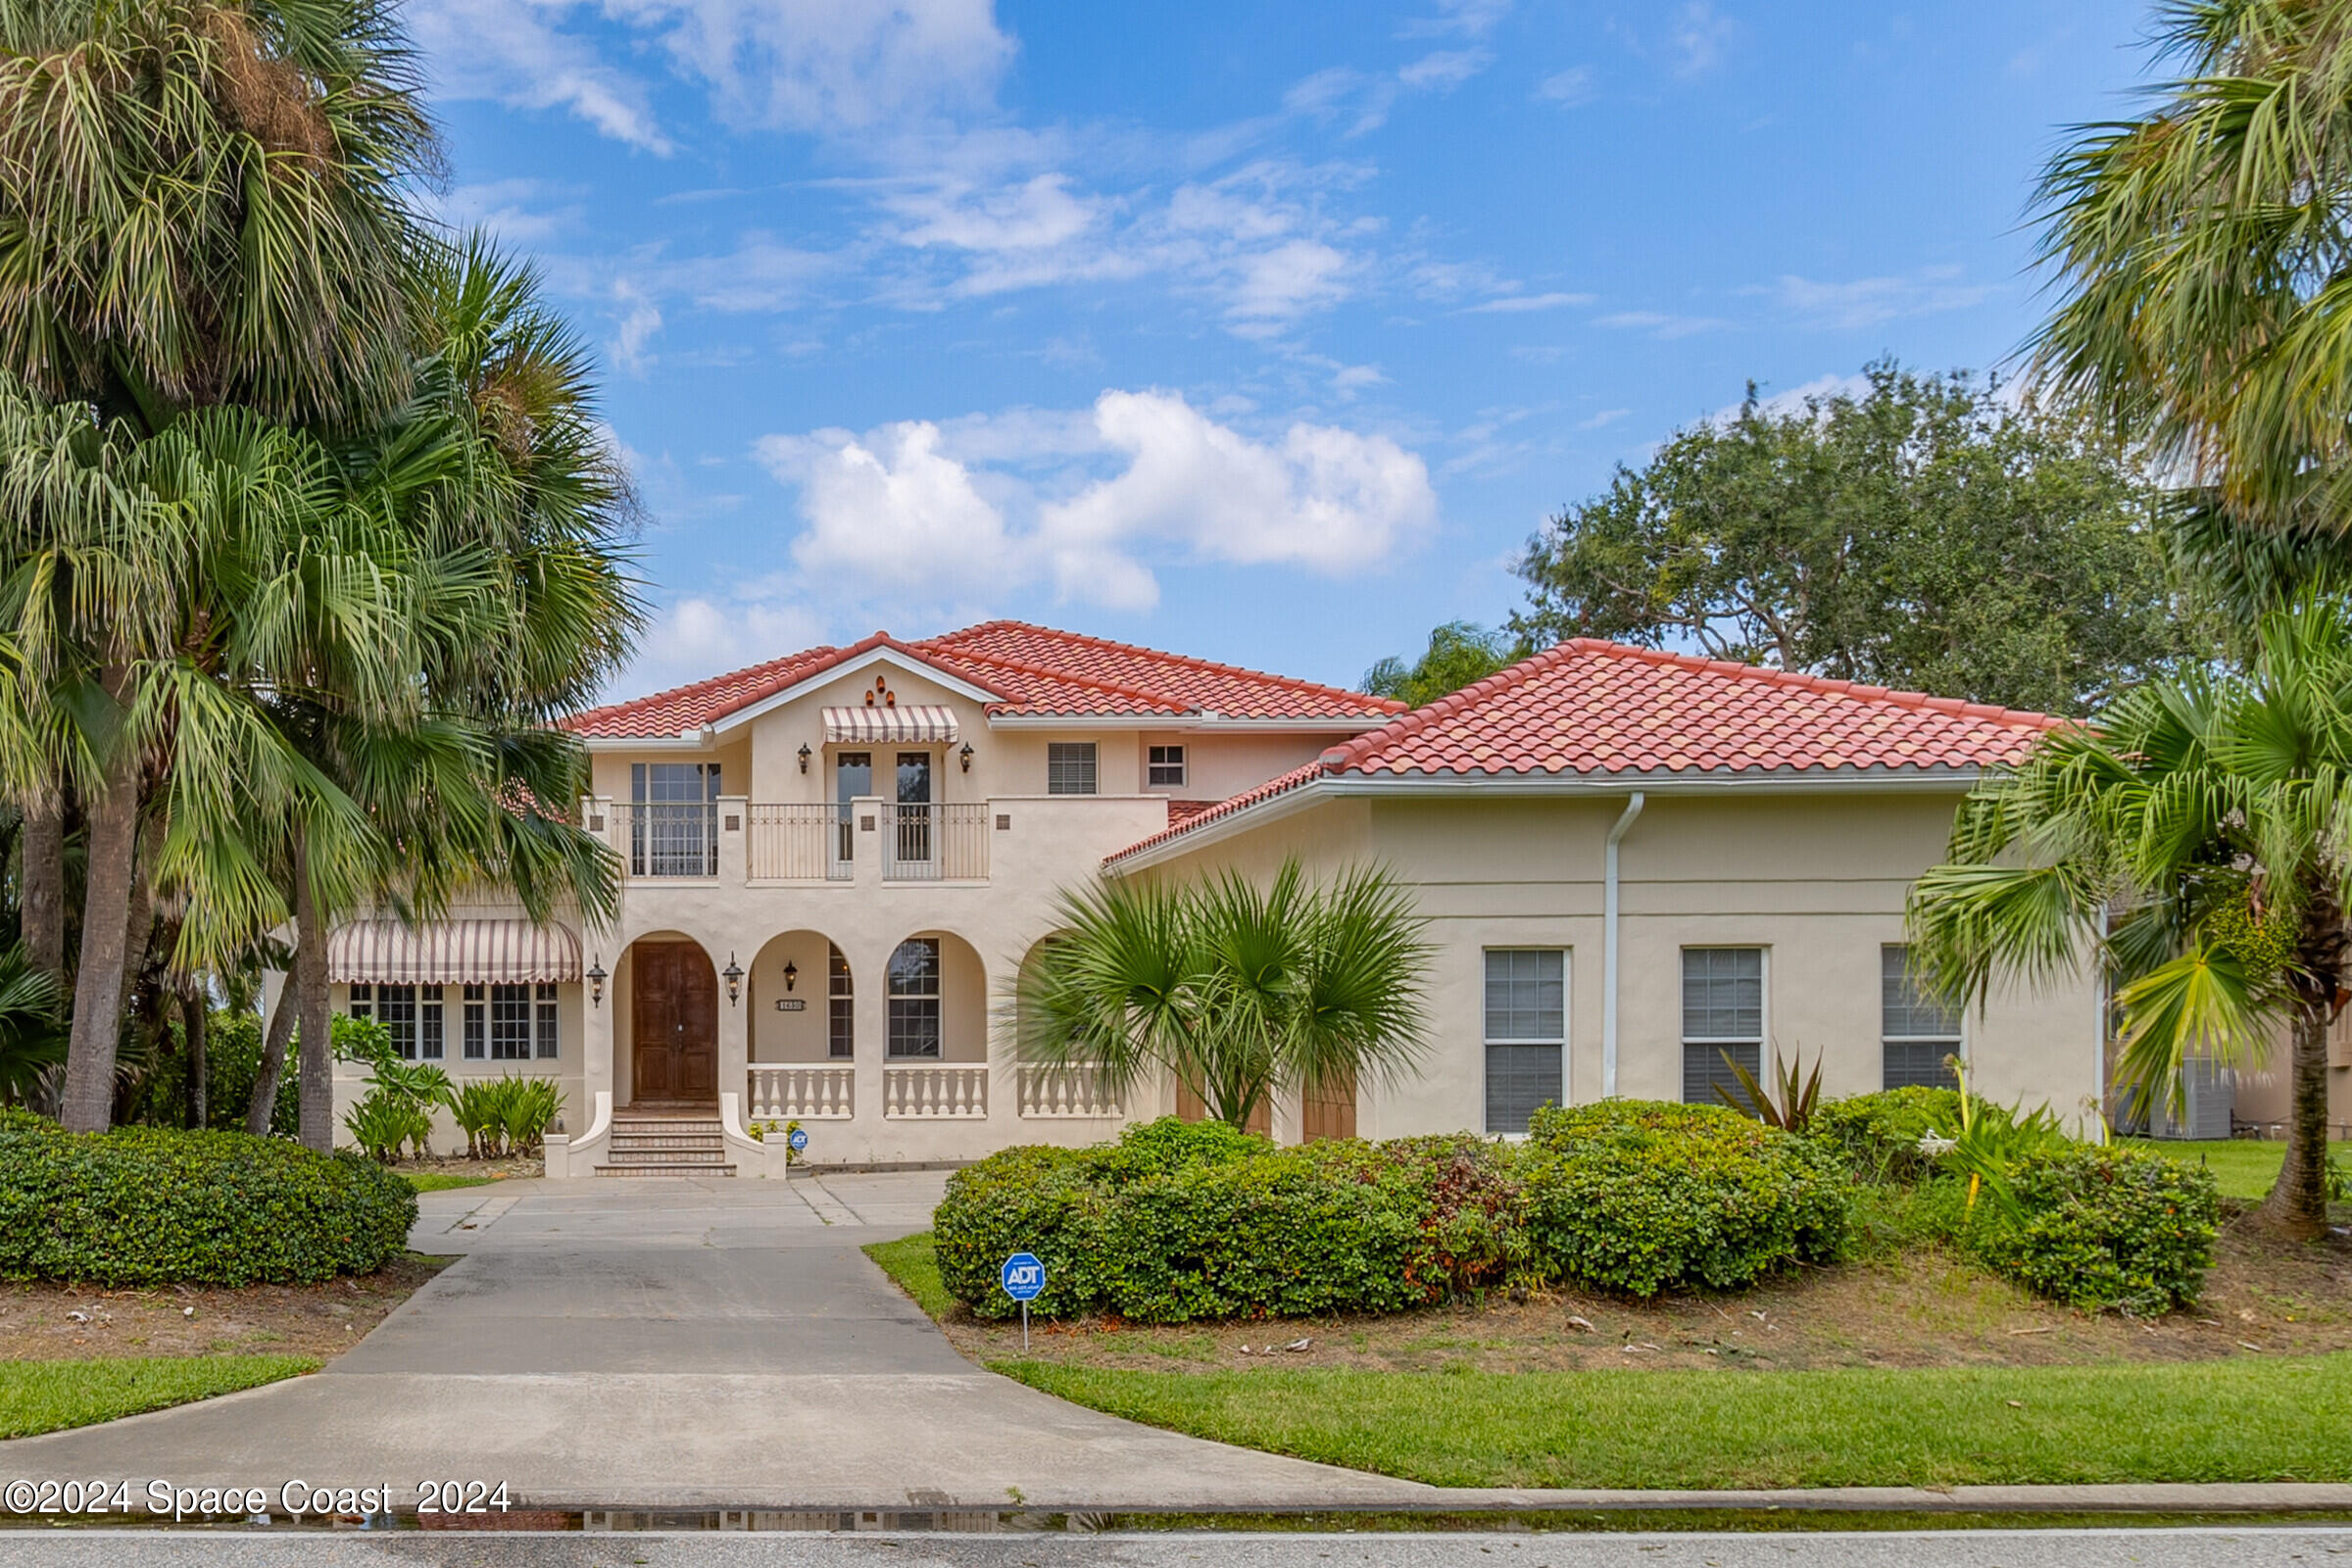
(1608, 948)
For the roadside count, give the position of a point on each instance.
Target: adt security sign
(1024, 1279)
(798, 1139)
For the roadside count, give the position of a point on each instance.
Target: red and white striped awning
(451, 953)
(917, 723)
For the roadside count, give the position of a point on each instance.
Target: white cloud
(1036, 213)
(693, 637)
(1604, 419)
(515, 52)
(1567, 88)
(918, 512)
(1512, 303)
(1349, 379)
(1821, 389)
(641, 319)
(1445, 69)
(1469, 19)
(1698, 37)
(829, 65)
(515, 211)
(1659, 323)
(1868, 300)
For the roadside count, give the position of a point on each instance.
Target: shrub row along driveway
(675, 1343)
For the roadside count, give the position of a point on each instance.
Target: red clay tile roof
(1589, 707)
(1033, 670)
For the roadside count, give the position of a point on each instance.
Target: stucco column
(596, 1025)
(871, 1015)
(734, 1025)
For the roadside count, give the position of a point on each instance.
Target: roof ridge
(1357, 749)
(1189, 660)
(630, 704)
(1157, 699)
(1860, 691)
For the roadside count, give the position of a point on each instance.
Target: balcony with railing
(801, 844)
(934, 843)
(666, 840)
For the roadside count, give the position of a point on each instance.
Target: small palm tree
(2194, 844)
(1238, 991)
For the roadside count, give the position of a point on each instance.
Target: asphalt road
(2247, 1548)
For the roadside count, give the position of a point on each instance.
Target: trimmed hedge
(150, 1206)
(1179, 1223)
(1643, 1195)
(1879, 1134)
(2107, 1227)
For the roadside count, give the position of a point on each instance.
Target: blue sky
(1262, 331)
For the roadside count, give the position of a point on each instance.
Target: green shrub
(151, 1205)
(1643, 1195)
(506, 1115)
(1024, 1199)
(2108, 1227)
(1879, 1134)
(385, 1120)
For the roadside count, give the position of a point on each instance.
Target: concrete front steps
(665, 1143)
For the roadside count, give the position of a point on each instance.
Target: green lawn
(45, 1395)
(910, 1262)
(2236, 1420)
(429, 1181)
(2245, 1167)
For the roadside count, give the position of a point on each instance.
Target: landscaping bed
(436, 1173)
(319, 1322)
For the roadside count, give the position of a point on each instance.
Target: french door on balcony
(673, 820)
(853, 776)
(914, 816)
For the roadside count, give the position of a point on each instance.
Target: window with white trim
(1071, 768)
(914, 999)
(840, 1018)
(510, 1023)
(1164, 766)
(1917, 1031)
(547, 1028)
(1526, 1033)
(429, 1037)
(1723, 1018)
(396, 1011)
(362, 1004)
(473, 1008)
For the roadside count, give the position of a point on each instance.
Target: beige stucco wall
(568, 1069)
(1817, 881)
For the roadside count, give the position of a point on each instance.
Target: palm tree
(2191, 844)
(1237, 991)
(2200, 252)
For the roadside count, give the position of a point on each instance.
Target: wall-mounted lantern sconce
(965, 757)
(732, 974)
(595, 983)
(792, 972)
(804, 757)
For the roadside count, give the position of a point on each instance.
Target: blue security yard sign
(1024, 1280)
(1023, 1276)
(798, 1139)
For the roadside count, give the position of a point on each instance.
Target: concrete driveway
(671, 1343)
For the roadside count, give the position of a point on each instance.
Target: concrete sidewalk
(675, 1343)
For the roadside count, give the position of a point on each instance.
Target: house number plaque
(792, 1005)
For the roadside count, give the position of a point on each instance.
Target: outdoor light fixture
(965, 757)
(804, 757)
(595, 983)
(732, 974)
(790, 974)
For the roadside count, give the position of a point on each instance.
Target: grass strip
(2245, 1168)
(433, 1181)
(2243, 1419)
(914, 1265)
(49, 1395)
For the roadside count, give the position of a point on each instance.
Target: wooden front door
(674, 1021)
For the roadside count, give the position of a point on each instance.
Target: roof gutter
(1609, 944)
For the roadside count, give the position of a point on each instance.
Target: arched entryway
(803, 1000)
(674, 1023)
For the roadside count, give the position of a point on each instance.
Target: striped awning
(916, 722)
(451, 953)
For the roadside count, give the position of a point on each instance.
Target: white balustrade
(793, 1092)
(936, 1089)
(1074, 1092)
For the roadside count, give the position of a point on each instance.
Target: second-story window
(1164, 768)
(1071, 768)
(673, 830)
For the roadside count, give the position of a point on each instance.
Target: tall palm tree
(2192, 845)
(2201, 252)
(1237, 991)
(202, 204)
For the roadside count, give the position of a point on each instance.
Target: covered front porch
(886, 1049)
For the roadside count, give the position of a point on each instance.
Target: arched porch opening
(665, 1023)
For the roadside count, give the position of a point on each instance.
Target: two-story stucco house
(1633, 863)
